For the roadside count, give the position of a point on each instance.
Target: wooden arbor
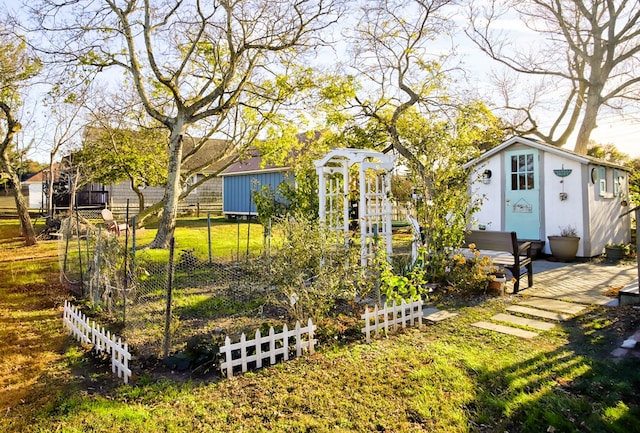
(360, 202)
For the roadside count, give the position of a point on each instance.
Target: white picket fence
(391, 317)
(101, 341)
(246, 351)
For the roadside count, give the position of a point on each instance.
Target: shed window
(522, 175)
(618, 177)
(602, 181)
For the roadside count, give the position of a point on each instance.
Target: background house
(88, 196)
(536, 189)
(32, 190)
(209, 160)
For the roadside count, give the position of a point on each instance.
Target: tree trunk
(140, 195)
(589, 121)
(26, 228)
(167, 223)
(12, 127)
(23, 215)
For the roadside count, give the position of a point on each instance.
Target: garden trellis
(372, 187)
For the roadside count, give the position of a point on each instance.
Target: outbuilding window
(618, 178)
(602, 181)
(522, 172)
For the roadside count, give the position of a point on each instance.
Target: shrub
(408, 284)
(311, 269)
(470, 276)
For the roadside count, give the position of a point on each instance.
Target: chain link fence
(163, 301)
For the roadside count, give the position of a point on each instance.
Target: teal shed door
(522, 193)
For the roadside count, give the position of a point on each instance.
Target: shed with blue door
(241, 179)
(536, 189)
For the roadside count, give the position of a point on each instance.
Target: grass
(228, 240)
(448, 377)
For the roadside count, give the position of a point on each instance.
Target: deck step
(539, 313)
(505, 329)
(523, 321)
(629, 295)
(554, 305)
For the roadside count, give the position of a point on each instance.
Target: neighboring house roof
(40, 176)
(210, 157)
(253, 164)
(583, 159)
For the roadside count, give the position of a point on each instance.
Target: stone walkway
(536, 313)
(560, 292)
(581, 282)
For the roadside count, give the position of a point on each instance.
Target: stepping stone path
(552, 304)
(506, 329)
(435, 315)
(540, 308)
(543, 314)
(523, 321)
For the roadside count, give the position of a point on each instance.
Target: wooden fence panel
(392, 317)
(101, 341)
(251, 351)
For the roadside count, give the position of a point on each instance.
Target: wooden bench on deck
(504, 250)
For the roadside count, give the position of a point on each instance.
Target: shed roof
(40, 176)
(537, 144)
(253, 164)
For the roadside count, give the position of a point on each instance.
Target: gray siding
(209, 193)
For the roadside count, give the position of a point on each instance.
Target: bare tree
(398, 74)
(402, 97)
(122, 144)
(587, 59)
(218, 66)
(63, 128)
(16, 68)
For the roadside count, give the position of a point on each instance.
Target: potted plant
(615, 252)
(564, 246)
(499, 281)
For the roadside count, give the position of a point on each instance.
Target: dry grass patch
(31, 336)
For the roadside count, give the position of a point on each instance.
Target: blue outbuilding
(241, 179)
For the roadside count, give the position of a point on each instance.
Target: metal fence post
(126, 268)
(79, 249)
(167, 317)
(238, 242)
(134, 223)
(209, 237)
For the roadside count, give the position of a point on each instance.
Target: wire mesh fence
(188, 299)
(162, 299)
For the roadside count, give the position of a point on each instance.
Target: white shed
(536, 189)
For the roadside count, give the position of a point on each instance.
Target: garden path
(563, 290)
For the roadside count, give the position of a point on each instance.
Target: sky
(622, 131)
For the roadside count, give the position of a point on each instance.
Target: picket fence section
(391, 316)
(246, 351)
(101, 341)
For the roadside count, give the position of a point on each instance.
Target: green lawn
(228, 239)
(448, 377)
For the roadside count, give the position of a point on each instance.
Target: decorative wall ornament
(562, 172)
(522, 206)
